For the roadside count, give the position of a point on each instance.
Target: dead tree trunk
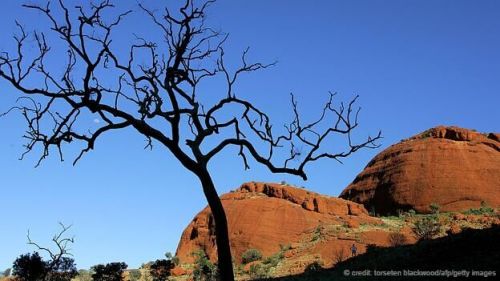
(224, 258)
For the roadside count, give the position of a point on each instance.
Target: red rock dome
(265, 215)
(450, 166)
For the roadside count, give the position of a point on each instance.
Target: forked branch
(62, 243)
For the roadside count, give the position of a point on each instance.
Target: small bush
(427, 228)
(274, 260)
(400, 213)
(408, 214)
(33, 267)
(397, 239)
(6, 273)
(426, 134)
(204, 269)
(160, 269)
(109, 272)
(133, 275)
(318, 232)
(85, 275)
(30, 267)
(263, 270)
(259, 271)
(483, 210)
(251, 255)
(434, 208)
(238, 269)
(175, 260)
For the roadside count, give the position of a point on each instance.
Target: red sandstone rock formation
(453, 167)
(265, 216)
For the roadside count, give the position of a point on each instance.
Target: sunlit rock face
(265, 215)
(453, 167)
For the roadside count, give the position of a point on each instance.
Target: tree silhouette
(6, 273)
(63, 270)
(160, 269)
(60, 267)
(109, 272)
(29, 267)
(154, 89)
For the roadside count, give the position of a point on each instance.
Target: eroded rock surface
(265, 215)
(453, 167)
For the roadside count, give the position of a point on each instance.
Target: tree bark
(225, 262)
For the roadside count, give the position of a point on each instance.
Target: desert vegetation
(204, 269)
(59, 267)
(433, 234)
(397, 239)
(251, 255)
(427, 227)
(109, 272)
(483, 210)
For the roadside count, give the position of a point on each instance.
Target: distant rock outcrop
(264, 216)
(453, 167)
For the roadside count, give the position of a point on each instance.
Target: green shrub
(134, 274)
(6, 273)
(84, 275)
(259, 271)
(33, 267)
(160, 269)
(263, 270)
(400, 213)
(251, 255)
(275, 259)
(109, 272)
(238, 269)
(175, 260)
(318, 232)
(426, 134)
(204, 269)
(434, 207)
(483, 210)
(427, 227)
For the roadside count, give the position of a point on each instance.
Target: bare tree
(61, 242)
(153, 89)
(60, 266)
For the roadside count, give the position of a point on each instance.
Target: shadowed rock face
(263, 216)
(453, 167)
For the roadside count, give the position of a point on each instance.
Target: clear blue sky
(415, 64)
